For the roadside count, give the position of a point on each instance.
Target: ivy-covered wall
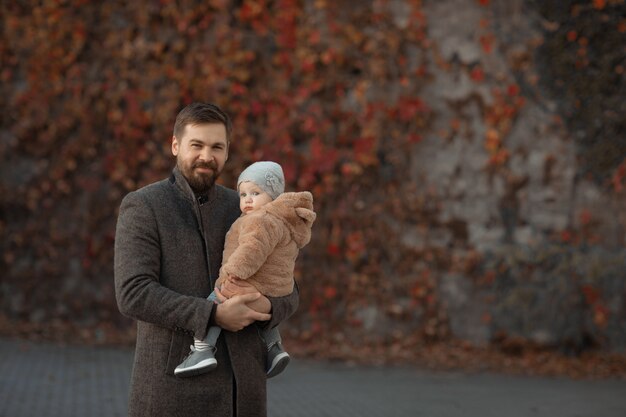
(466, 158)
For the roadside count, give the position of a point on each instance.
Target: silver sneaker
(197, 362)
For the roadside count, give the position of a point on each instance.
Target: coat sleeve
(257, 240)
(283, 307)
(138, 290)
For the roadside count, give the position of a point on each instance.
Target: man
(168, 251)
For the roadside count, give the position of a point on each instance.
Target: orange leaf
(330, 292)
(585, 217)
(601, 315)
(599, 4)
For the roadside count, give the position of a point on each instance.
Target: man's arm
(283, 307)
(138, 290)
(280, 308)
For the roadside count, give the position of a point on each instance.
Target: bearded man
(168, 251)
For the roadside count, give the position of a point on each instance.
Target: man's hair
(201, 113)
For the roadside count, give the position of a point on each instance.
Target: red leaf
(363, 146)
(591, 294)
(314, 37)
(330, 292)
(333, 249)
(486, 42)
(238, 89)
(513, 90)
(477, 74)
(567, 236)
(572, 35)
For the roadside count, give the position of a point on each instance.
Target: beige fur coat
(262, 246)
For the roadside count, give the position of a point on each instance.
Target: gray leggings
(270, 336)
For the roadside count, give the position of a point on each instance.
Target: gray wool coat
(168, 251)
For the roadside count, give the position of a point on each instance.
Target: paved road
(55, 381)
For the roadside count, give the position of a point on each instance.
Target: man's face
(201, 153)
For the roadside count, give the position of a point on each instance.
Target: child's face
(251, 197)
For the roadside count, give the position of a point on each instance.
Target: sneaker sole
(279, 364)
(200, 368)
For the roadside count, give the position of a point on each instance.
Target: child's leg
(271, 336)
(210, 341)
(202, 356)
(277, 358)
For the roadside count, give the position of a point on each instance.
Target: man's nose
(206, 155)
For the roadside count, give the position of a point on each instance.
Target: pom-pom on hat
(267, 175)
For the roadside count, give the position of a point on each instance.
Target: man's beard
(200, 182)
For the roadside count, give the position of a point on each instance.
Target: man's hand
(233, 314)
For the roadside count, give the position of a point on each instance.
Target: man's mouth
(205, 167)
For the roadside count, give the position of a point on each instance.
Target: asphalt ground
(47, 380)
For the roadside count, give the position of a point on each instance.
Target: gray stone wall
(512, 213)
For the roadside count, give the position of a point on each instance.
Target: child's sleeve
(257, 240)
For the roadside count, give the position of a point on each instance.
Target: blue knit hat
(267, 175)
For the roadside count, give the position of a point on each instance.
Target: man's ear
(175, 146)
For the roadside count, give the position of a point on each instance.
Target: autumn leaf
(513, 90)
(599, 4)
(572, 35)
(486, 42)
(585, 217)
(477, 74)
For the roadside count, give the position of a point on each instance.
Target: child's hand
(234, 286)
(220, 297)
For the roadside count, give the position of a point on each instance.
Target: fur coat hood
(296, 211)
